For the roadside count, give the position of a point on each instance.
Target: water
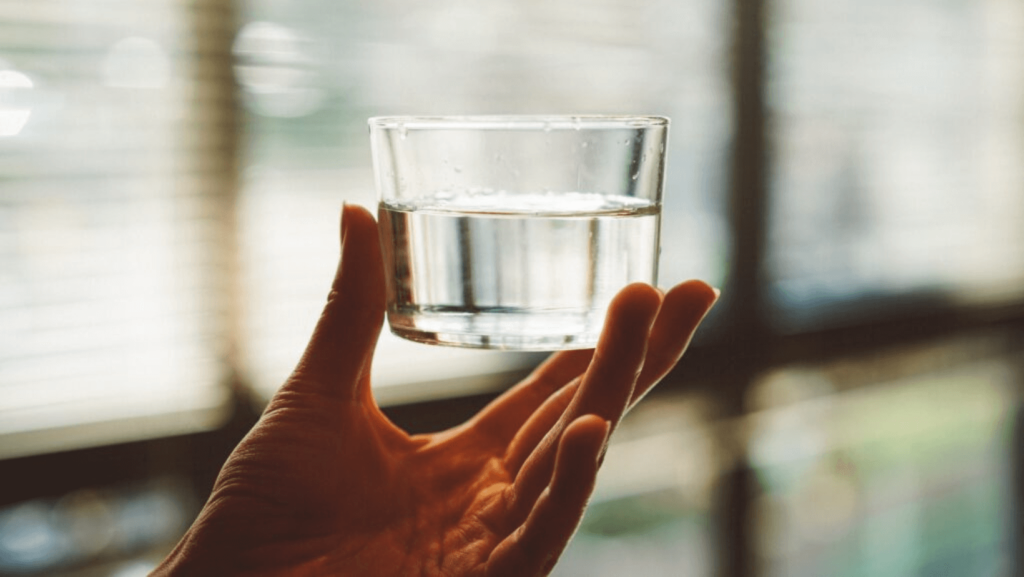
(514, 271)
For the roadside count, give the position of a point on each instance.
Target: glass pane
(108, 324)
(313, 71)
(897, 137)
(897, 465)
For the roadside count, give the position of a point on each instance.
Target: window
(895, 464)
(110, 325)
(171, 178)
(895, 172)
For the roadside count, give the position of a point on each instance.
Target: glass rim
(517, 122)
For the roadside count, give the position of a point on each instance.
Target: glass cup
(515, 232)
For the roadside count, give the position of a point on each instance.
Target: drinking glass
(514, 232)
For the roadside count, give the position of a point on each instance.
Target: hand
(324, 484)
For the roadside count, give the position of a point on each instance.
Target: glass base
(506, 330)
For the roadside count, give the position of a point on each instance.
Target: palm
(326, 485)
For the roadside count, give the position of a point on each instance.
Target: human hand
(325, 484)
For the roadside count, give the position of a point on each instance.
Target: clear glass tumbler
(514, 232)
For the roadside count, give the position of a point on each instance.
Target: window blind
(113, 326)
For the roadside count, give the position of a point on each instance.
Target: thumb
(337, 359)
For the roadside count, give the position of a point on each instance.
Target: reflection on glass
(895, 153)
(895, 465)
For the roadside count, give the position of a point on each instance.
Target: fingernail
(717, 291)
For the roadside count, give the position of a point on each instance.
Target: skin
(324, 484)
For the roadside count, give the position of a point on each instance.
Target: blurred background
(850, 172)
